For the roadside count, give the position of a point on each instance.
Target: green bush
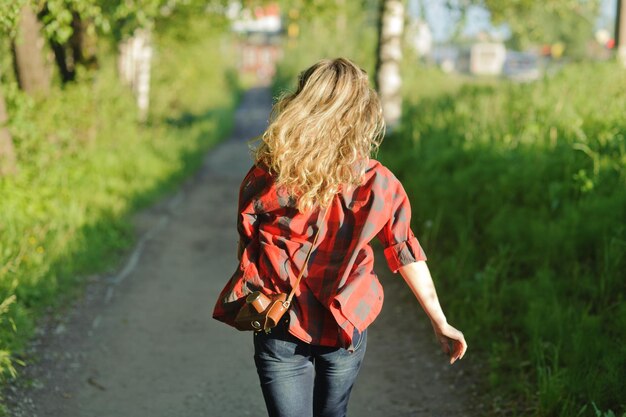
(86, 164)
(519, 196)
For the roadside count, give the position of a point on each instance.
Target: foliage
(144, 13)
(85, 165)
(117, 17)
(58, 17)
(519, 197)
(328, 11)
(319, 34)
(532, 22)
(9, 12)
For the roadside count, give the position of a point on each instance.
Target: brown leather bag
(263, 312)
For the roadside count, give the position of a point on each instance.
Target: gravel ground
(141, 342)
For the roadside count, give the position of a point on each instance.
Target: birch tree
(134, 66)
(389, 56)
(32, 71)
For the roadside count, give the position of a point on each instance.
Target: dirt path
(141, 343)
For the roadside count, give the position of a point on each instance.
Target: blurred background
(506, 125)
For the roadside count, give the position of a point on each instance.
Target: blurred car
(521, 66)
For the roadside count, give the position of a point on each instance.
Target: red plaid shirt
(339, 292)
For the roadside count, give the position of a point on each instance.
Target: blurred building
(260, 28)
(495, 59)
(482, 58)
(260, 19)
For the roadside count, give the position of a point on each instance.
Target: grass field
(519, 197)
(86, 165)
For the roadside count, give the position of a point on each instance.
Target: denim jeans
(303, 380)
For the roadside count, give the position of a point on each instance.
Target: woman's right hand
(447, 335)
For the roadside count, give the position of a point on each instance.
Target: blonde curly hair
(320, 137)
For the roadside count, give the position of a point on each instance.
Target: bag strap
(287, 302)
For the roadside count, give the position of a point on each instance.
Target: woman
(313, 172)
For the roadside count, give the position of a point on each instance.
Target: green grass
(519, 197)
(86, 165)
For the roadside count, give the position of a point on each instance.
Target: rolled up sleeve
(404, 253)
(401, 245)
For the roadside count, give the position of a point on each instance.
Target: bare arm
(417, 277)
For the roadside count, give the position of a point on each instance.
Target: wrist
(439, 321)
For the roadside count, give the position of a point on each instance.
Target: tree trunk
(80, 49)
(83, 42)
(389, 56)
(7, 153)
(134, 64)
(66, 69)
(33, 75)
